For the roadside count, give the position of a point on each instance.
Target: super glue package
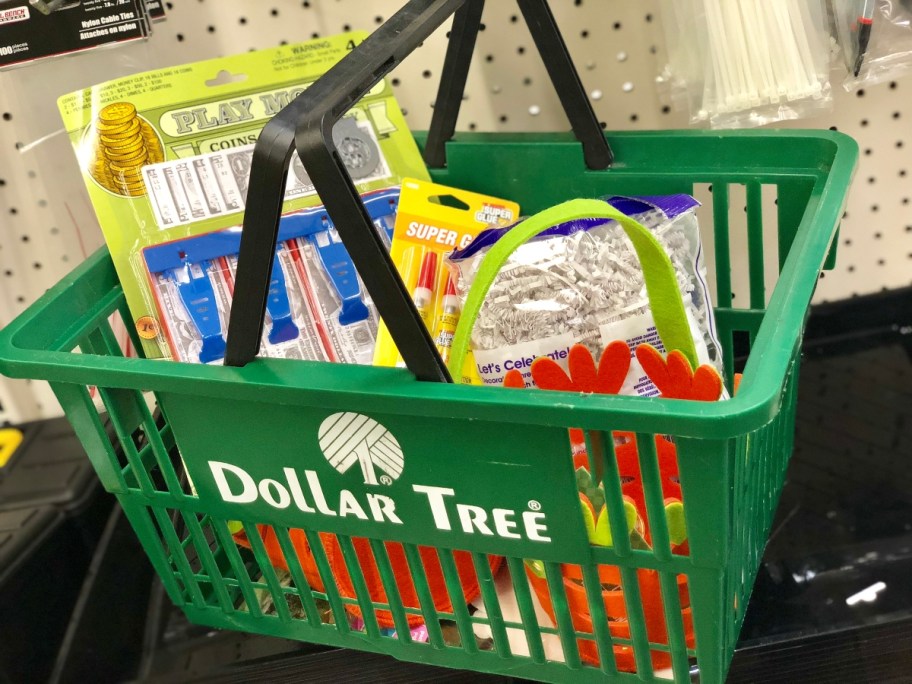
(580, 282)
(433, 220)
(316, 308)
(166, 155)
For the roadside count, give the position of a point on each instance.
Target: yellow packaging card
(432, 221)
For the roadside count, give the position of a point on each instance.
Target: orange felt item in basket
(616, 610)
(675, 379)
(406, 589)
(468, 580)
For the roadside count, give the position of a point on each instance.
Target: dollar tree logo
(350, 438)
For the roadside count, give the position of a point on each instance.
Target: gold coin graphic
(137, 158)
(113, 129)
(131, 135)
(124, 168)
(119, 154)
(122, 143)
(117, 112)
(128, 179)
(147, 327)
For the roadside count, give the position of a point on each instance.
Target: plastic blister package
(166, 155)
(316, 307)
(875, 40)
(581, 282)
(745, 63)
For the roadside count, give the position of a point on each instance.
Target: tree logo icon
(350, 438)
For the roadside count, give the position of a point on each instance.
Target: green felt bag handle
(665, 298)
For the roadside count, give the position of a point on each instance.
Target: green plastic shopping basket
(251, 440)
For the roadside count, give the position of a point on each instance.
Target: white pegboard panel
(47, 225)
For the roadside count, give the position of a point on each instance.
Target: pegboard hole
(7, 116)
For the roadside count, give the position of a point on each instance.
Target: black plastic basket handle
(306, 124)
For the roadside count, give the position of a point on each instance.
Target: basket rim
(339, 386)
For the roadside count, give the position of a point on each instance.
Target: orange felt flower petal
(582, 369)
(613, 368)
(707, 384)
(514, 380)
(550, 376)
(680, 376)
(675, 378)
(653, 365)
(738, 377)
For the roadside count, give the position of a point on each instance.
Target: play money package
(167, 154)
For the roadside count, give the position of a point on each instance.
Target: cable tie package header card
(33, 29)
(166, 155)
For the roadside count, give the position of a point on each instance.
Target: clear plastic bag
(888, 53)
(581, 283)
(745, 63)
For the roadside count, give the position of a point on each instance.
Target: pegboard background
(47, 225)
